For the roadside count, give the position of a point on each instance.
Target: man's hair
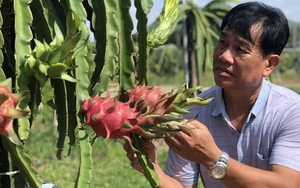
(272, 21)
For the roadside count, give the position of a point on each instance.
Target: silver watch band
(224, 157)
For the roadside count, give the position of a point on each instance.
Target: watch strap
(224, 157)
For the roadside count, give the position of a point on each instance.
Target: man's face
(238, 63)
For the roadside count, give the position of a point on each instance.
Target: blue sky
(291, 8)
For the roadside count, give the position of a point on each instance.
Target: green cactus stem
(167, 17)
(4, 161)
(112, 48)
(142, 28)
(81, 72)
(47, 96)
(78, 22)
(22, 161)
(98, 24)
(2, 74)
(146, 5)
(126, 63)
(62, 115)
(23, 37)
(84, 174)
(41, 25)
(144, 161)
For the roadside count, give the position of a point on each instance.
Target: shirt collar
(256, 109)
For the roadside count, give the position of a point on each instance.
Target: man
(249, 135)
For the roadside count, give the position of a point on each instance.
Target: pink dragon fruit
(110, 118)
(142, 95)
(157, 102)
(8, 110)
(148, 112)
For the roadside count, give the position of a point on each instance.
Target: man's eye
(222, 42)
(239, 49)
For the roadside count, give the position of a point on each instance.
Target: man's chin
(224, 84)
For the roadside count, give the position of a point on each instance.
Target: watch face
(218, 172)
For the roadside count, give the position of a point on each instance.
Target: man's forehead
(254, 39)
(236, 36)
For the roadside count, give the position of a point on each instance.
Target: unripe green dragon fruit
(9, 111)
(54, 60)
(148, 112)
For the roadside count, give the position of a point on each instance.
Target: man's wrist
(219, 169)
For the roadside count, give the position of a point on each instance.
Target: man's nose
(227, 56)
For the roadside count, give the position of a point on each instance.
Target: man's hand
(195, 144)
(132, 156)
(198, 145)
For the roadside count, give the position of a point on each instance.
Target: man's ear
(272, 61)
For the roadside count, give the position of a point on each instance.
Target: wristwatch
(219, 169)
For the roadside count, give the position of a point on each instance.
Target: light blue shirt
(270, 135)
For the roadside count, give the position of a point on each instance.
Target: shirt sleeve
(286, 149)
(183, 170)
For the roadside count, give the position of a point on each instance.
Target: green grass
(288, 79)
(178, 80)
(156, 80)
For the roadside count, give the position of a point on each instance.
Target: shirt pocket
(262, 162)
